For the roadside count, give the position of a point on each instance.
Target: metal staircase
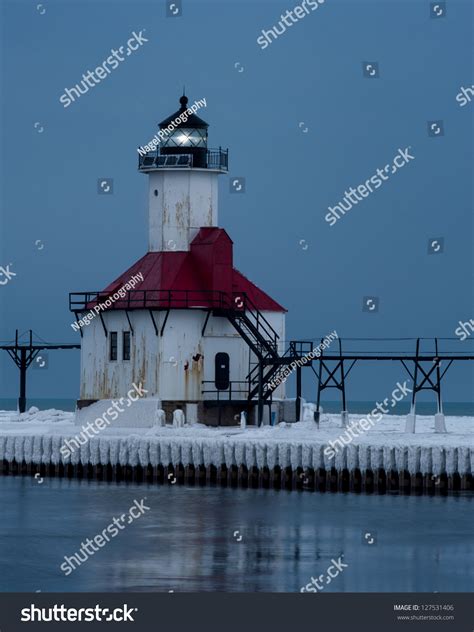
(255, 329)
(270, 373)
(262, 339)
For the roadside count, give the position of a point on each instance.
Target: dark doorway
(222, 371)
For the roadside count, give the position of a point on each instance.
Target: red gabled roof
(205, 272)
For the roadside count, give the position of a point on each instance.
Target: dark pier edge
(377, 481)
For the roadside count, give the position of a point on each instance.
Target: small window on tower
(126, 346)
(113, 346)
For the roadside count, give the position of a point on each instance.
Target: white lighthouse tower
(182, 320)
(182, 182)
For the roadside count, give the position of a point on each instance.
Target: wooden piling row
(356, 481)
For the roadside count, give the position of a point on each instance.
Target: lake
(222, 539)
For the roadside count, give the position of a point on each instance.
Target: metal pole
(438, 381)
(260, 393)
(415, 375)
(22, 398)
(298, 393)
(343, 385)
(318, 397)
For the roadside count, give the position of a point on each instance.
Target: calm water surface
(214, 539)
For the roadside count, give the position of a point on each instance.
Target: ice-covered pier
(290, 456)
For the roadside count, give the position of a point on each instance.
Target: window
(113, 346)
(126, 345)
(186, 137)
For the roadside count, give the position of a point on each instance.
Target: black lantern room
(188, 137)
(183, 145)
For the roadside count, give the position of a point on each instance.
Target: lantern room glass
(186, 137)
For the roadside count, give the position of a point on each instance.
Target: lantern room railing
(215, 159)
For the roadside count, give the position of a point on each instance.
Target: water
(68, 405)
(217, 539)
(402, 408)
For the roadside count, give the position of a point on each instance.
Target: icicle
(197, 453)
(207, 459)
(46, 449)
(352, 457)
(401, 458)
(250, 456)
(229, 454)
(451, 460)
(284, 458)
(295, 456)
(187, 452)
(239, 452)
(261, 455)
(19, 450)
(340, 460)
(143, 452)
(55, 454)
(413, 459)
(426, 461)
(306, 455)
(318, 457)
(272, 457)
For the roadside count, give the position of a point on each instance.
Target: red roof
(196, 278)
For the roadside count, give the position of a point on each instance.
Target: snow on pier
(36, 438)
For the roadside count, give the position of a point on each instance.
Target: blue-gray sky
(311, 78)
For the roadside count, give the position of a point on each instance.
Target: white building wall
(171, 367)
(102, 378)
(185, 201)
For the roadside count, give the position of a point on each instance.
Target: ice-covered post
(344, 411)
(440, 424)
(178, 418)
(411, 417)
(317, 416)
(160, 417)
(243, 420)
(298, 392)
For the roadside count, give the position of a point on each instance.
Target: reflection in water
(214, 539)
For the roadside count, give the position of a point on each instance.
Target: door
(222, 371)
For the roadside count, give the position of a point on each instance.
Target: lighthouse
(182, 320)
(182, 182)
